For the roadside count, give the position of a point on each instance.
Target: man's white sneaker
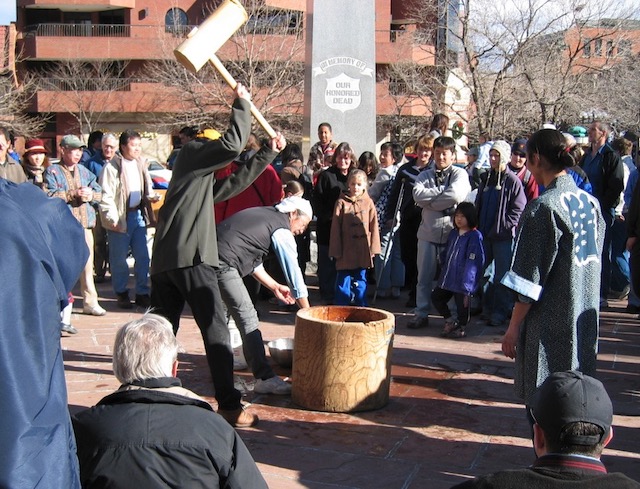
(274, 385)
(94, 310)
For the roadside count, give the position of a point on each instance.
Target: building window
(586, 49)
(609, 49)
(275, 22)
(176, 21)
(624, 46)
(597, 48)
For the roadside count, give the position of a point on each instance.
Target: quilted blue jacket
(462, 262)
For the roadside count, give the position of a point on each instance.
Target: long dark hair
(552, 146)
(440, 123)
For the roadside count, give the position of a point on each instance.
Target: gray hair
(108, 136)
(144, 349)
(603, 126)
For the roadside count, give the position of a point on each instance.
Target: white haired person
(244, 241)
(152, 432)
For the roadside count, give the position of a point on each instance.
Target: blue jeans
(119, 244)
(497, 299)
(427, 263)
(391, 273)
(620, 275)
(351, 288)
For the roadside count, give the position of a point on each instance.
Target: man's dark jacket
(186, 231)
(555, 471)
(612, 178)
(157, 437)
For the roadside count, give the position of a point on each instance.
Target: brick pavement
(452, 413)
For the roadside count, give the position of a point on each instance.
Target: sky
(7, 11)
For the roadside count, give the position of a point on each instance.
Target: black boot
(123, 300)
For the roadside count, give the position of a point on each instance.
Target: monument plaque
(340, 74)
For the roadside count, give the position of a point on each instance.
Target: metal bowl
(281, 350)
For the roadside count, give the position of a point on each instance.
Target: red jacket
(265, 191)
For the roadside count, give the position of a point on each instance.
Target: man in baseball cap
(72, 142)
(572, 415)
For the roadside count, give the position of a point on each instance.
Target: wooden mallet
(204, 41)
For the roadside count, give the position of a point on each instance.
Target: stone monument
(340, 72)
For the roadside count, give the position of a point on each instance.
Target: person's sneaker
(94, 310)
(67, 328)
(418, 322)
(123, 301)
(239, 418)
(274, 385)
(143, 300)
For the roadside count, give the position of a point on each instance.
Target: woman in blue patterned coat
(555, 271)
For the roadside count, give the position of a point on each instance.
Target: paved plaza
(452, 412)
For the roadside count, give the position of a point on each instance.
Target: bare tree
(15, 98)
(618, 90)
(266, 55)
(87, 90)
(522, 67)
(409, 91)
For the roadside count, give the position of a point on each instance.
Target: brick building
(131, 35)
(601, 44)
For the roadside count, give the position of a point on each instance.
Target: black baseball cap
(570, 397)
(519, 147)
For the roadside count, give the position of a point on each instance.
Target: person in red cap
(35, 161)
(571, 415)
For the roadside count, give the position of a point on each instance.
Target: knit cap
(504, 149)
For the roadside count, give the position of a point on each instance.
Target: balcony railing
(122, 30)
(80, 30)
(86, 84)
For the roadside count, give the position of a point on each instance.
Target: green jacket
(186, 230)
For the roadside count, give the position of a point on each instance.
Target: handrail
(100, 30)
(125, 30)
(85, 84)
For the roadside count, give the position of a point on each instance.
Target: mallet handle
(217, 64)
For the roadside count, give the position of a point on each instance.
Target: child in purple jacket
(462, 262)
